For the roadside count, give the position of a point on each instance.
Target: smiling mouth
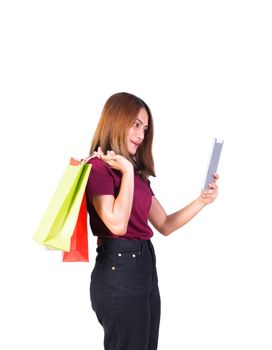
(135, 144)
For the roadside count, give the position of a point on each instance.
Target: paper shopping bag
(79, 251)
(58, 223)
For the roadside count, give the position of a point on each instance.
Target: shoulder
(98, 164)
(101, 179)
(149, 185)
(100, 168)
(145, 179)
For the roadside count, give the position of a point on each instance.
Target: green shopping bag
(57, 225)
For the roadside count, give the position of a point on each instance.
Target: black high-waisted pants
(125, 295)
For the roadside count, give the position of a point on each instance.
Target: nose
(140, 134)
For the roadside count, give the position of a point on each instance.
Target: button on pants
(125, 295)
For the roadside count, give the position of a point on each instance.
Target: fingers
(216, 176)
(213, 185)
(109, 156)
(111, 153)
(211, 194)
(99, 153)
(208, 197)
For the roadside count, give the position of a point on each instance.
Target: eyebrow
(146, 126)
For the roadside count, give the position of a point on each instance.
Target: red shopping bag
(79, 241)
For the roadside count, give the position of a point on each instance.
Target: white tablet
(213, 162)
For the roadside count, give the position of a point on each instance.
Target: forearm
(123, 202)
(180, 218)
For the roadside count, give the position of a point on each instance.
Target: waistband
(119, 243)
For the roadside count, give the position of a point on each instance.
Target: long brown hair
(118, 115)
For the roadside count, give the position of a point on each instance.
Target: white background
(204, 68)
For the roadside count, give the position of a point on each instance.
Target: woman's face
(136, 132)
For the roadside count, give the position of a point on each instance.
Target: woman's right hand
(115, 161)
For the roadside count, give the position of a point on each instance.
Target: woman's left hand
(209, 196)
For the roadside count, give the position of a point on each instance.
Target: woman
(124, 285)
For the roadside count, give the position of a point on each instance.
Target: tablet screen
(213, 162)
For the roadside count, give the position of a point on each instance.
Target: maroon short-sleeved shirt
(104, 180)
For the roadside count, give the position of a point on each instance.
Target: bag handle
(85, 160)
